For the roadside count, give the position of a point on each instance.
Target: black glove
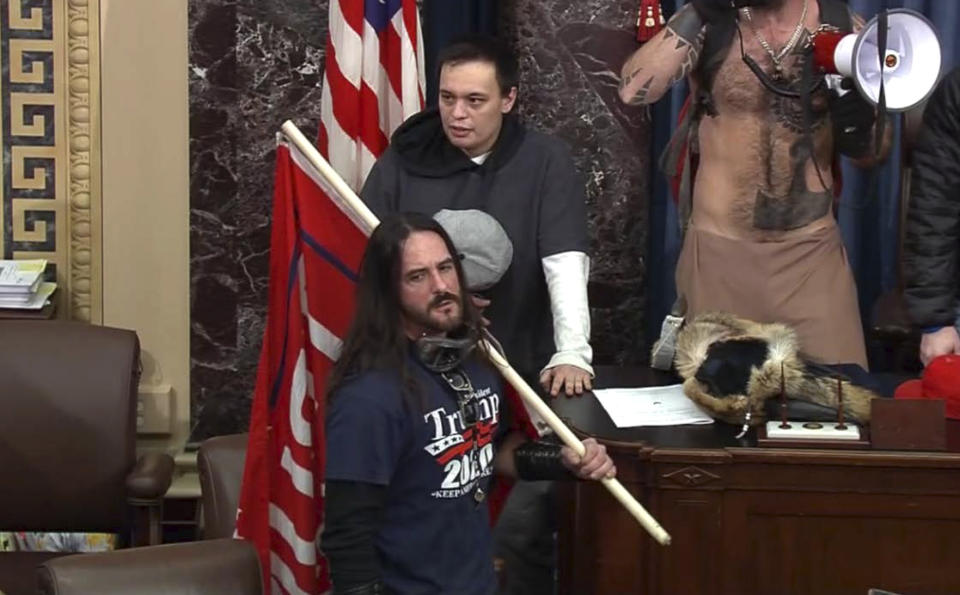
(540, 460)
(853, 119)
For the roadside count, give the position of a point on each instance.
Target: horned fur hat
(730, 365)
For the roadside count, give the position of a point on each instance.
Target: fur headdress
(730, 365)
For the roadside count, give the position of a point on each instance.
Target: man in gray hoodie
(473, 153)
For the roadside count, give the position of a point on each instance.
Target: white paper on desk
(650, 406)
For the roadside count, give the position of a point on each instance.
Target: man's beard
(442, 324)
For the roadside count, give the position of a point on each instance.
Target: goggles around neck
(439, 353)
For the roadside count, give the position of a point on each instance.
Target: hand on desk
(595, 463)
(571, 379)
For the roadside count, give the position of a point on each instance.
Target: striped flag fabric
(373, 80)
(317, 243)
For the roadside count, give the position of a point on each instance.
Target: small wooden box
(908, 424)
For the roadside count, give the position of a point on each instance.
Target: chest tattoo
(788, 111)
(799, 206)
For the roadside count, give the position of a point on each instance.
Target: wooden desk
(752, 521)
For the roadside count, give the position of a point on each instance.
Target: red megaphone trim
(824, 50)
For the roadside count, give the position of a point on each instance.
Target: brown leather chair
(220, 463)
(222, 566)
(67, 436)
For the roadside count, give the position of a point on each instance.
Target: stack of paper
(650, 406)
(22, 286)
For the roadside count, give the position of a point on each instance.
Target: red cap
(941, 380)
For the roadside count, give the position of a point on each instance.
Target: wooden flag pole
(309, 151)
(530, 397)
(613, 485)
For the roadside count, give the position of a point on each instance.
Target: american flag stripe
(346, 22)
(372, 82)
(305, 552)
(412, 65)
(346, 113)
(323, 340)
(390, 56)
(284, 582)
(300, 426)
(300, 476)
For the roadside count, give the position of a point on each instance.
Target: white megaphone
(911, 66)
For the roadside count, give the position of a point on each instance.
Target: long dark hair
(376, 340)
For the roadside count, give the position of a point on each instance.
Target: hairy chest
(737, 90)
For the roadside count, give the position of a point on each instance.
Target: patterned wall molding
(84, 144)
(51, 179)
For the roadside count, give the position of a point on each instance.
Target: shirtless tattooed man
(761, 239)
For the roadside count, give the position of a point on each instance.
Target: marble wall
(254, 64)
(571, 52)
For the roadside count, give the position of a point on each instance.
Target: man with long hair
(474, 152)
(414, 427)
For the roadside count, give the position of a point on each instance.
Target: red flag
(372, 82)
(315, 249)
(316, 245)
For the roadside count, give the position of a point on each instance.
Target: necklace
(458, 380)
(777, 57)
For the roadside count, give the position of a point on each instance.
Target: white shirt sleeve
(567, 274)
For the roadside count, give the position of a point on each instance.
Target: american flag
(316, 246)
(372, 82)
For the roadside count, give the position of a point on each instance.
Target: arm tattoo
(688, 30)
(627, 79)
(640, 97)
(686, 25)
(691, 57)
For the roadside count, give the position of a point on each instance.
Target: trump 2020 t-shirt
(435, 537)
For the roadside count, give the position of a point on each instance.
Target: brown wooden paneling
(827, 543)
(695, 521)
(760, 521)
(608, 533)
